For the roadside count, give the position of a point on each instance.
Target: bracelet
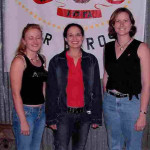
(143, 112)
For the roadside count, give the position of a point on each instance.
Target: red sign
(79, 14)
(115, 1)
(42, 1)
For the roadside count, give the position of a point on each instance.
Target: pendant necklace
(34, 60)
(124, 45)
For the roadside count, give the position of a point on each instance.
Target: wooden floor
(97, 139)
(7, 140)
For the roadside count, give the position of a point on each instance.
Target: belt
(75, 110)
(118, 95)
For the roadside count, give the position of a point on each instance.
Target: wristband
(143, 112)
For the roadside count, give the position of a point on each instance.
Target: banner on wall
(54, 15)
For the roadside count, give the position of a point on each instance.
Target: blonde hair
(22, 48)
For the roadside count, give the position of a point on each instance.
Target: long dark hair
(111, 31)
(66, 46)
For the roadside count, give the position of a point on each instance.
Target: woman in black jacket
(73, 92)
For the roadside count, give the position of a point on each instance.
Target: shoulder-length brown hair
(22, 48)
(111, 31)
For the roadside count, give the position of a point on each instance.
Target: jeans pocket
(27, 112)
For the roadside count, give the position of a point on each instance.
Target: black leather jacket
(56, 102)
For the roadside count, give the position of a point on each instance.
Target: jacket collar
(62, 55)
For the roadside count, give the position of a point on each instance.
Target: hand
(140, 123)
(94, 126)
(25, 129)
(53, 127)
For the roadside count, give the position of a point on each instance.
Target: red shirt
(75, 86)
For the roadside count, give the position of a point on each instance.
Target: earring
(67, 46)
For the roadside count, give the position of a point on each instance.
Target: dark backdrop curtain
(97, 138)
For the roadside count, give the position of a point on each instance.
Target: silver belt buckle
(89, 112)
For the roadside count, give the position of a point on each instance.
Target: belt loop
(130, 97)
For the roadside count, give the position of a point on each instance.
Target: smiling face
(122, 24)
(74, 37)
(33, 40)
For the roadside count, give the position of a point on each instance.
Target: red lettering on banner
(115, 1)
(42, 1)
(79, 14)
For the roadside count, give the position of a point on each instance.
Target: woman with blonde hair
(28, 77)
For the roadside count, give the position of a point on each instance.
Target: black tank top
(32, 83)
(124, 73)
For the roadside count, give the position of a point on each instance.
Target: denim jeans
(36, 119)
(120, 116)
(72, 125)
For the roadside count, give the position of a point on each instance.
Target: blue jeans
(72, 125)
(36, 119)
(120, 116)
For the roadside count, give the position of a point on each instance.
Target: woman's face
(74, 37)
(33, 40)
(122, 24)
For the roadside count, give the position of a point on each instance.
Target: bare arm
(16, 73)
(105, 75)
(105, 78)
(144, 55)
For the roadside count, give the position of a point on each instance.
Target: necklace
(124, 45)
(34, 60)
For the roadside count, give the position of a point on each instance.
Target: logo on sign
(80, 14)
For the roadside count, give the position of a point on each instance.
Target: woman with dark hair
(28, 79)
(126, 83)
(73, 92)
